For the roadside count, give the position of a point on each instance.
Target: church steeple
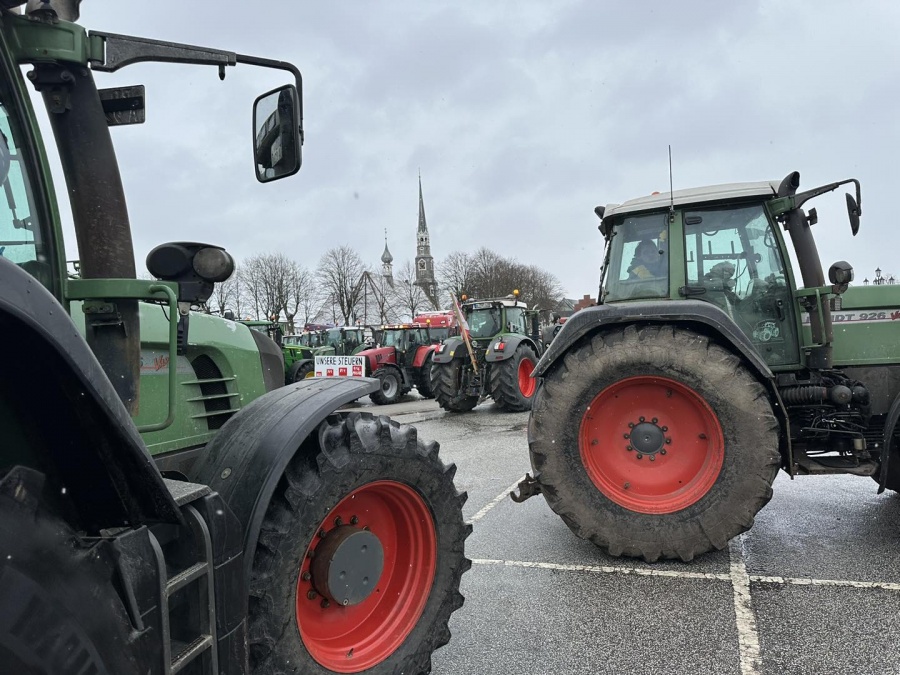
(424, 261)
(387, 269)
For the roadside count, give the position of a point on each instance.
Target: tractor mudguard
(422, 354)
(84, 440)
(684, 312)
(454, 347)
(511, 342)
(247, 458)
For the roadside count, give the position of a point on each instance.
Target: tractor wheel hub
(347, 565)
(647, 438)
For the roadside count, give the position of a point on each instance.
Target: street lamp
(879, 280)
(866, 281)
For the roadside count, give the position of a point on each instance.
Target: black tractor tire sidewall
(504, 380)
(299, 371)
(373, 448)
(60, 613)
(445, 381)
(385, 375)
(751, 457)
(423, 379)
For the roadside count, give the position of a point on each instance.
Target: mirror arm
(781, 205)
(280, 65)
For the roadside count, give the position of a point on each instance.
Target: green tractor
(167, 504)
(494, 356)
(300, 351)
(665, 412)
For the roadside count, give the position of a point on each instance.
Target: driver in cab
(648, 261)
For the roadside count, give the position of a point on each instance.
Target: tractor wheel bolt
(354, 520)
(665, 428)
(662, 451)
(640, 456)
(629, 448)
(655, 420)
(306, 576)
(338, 521)
(627, 436)
(325, 604)
(652, 458)
(311, 594)
(631, 425)
(641, 418)
(322, 533)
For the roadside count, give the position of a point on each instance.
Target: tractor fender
(511, 342)
(90, 447)
(247, 458)
(421, 354)
(453, 347)
(890, 426)
(688, 313)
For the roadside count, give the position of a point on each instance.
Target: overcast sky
(522, 116)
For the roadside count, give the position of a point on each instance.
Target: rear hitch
(528, 487)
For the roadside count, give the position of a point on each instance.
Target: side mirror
(853, 213)
(228, 315)
(276, 134)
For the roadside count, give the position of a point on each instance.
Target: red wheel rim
(352, 639)
(527, 384)
(651, 444)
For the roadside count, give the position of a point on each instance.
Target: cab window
(21, 238)
(638, 258)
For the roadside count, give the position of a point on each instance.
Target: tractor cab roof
(699, 195)
(487, 303)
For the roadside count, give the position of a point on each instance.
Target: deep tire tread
(751, 456)
(352, 449)
(444, 385)
(504, 380)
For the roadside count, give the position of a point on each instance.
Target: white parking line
(745, 619)
(606, 569)
(499, 498)
(802, 581)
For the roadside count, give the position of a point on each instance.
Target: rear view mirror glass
(853, 213)
(276, 134)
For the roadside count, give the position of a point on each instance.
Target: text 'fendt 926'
(167, 504)
(666, 411)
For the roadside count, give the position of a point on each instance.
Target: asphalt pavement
(814, 587)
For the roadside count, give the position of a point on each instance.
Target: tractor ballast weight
(665, 412)
(132, 572)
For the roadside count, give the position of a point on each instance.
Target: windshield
(20, 232)
(392, 337)
(484, 323)
(639, 258)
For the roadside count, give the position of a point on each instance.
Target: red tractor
(441, 324)
(401, 361)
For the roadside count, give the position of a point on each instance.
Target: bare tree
(338, 274)
(411, 297)
(267, 279)
(227, 295)
(301, 296)
(486, 274)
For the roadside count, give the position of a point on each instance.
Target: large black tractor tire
(59, 611)
(511, 384)
(300, 371)
(654, 442)
(363, 483)
(446, 381)
(391, 386)
(423, 379)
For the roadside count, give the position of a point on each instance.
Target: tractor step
(836, 465)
